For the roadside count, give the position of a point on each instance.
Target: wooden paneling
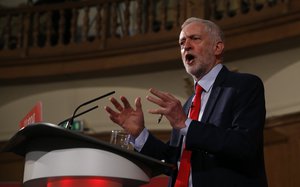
(246, 34)
(282, 151)
(12, 167)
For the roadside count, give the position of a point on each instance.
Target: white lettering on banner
(29, 120)
(33, 116)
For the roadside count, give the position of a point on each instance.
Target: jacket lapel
(214, 95)
(211, 104)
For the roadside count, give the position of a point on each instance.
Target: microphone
(71, 119)
(86, 111)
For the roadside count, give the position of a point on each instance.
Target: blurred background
(62, 53)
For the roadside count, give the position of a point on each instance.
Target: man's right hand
(130, 119)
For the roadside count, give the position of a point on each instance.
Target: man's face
(198, 50)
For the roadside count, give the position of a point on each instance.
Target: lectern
(55, 156)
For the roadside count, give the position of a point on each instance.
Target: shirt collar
(208, 80)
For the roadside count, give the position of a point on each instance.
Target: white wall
(60, 99)
(279, 71)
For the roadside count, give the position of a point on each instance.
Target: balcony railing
(74, 23)
(93, 28)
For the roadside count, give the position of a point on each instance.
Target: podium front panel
(80, 162)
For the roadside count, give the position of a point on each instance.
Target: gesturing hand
(132, 120)
(170, 107)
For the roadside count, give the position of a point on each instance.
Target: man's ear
(219, 48)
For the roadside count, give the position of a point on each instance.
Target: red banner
(34, 116)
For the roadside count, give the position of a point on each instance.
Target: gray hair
(210, 27)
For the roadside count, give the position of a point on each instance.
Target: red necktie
(182, 179)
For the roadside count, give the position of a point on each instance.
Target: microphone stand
(86, 111)
(71, 119)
